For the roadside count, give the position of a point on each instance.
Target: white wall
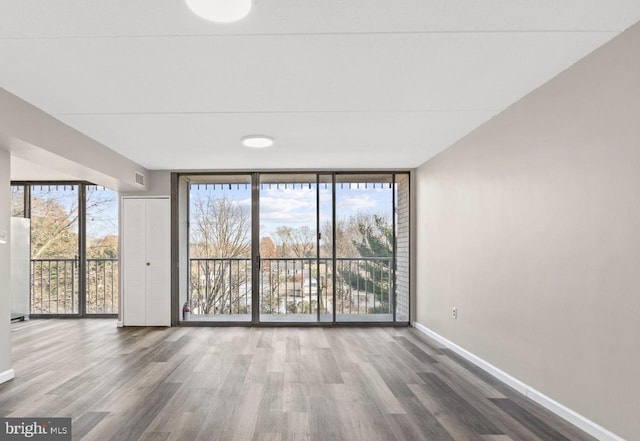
(530, 226)
(5, 269)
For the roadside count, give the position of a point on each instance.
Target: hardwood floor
(276, 384)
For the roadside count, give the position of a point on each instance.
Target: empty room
(260, 220)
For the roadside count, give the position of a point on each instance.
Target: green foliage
(374, 244)
(376, 237)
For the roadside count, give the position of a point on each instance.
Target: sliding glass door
(220, 264)
(289, 276)
(295, 247)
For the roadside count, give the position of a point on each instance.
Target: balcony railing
(55, 286)
(220, 286)
(102, 286)
(292, 286)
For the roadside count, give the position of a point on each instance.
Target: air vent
(139, 178)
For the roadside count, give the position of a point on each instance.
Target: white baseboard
(119, 324)
(6, 375)
(550, 404)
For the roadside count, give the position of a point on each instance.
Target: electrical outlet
(454, 313)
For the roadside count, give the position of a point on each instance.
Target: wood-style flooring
(276, 384)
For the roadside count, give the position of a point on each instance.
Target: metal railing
(102, 286)
(292, 285)
(364, 285)
(220, 286)
(55, 286)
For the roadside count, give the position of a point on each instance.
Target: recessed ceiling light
(220, 11)
(257, 141)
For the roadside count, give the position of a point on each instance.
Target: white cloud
(355, 203)
(286, 206)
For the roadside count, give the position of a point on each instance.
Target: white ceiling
(337, 83)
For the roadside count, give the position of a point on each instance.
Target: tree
(220, 227)
(269, 279)
(54, 236)
(375, 245)
(103, 248)
(17, 200)
(268, 251)
(295, 242)
(220, 231)
(375, 238)
(54, 222)
(54, 227)
(346, 230)
(364, 248)
(268, 248)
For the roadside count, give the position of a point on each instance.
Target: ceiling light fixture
(220, 11)
(257, 141)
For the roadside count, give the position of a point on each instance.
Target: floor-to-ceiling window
(54, 249)
(291, 288)
(328, 247)
(365, 240)
(102, 280)
(74, 247)
(220, 264)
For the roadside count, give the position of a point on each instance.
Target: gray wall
(158, 184)
(5, 264)
(531, 227)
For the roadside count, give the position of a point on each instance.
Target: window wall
(323, 247)
(54, 249)
(74, 247)
(365, 241)
(102, 275)
(220, 264)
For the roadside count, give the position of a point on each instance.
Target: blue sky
(295, 206)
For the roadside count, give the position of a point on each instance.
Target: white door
(133, 262)
(158, 277)
(146, 262)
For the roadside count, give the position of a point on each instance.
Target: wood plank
(528, 420)
(271, 384)
(458, 406)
